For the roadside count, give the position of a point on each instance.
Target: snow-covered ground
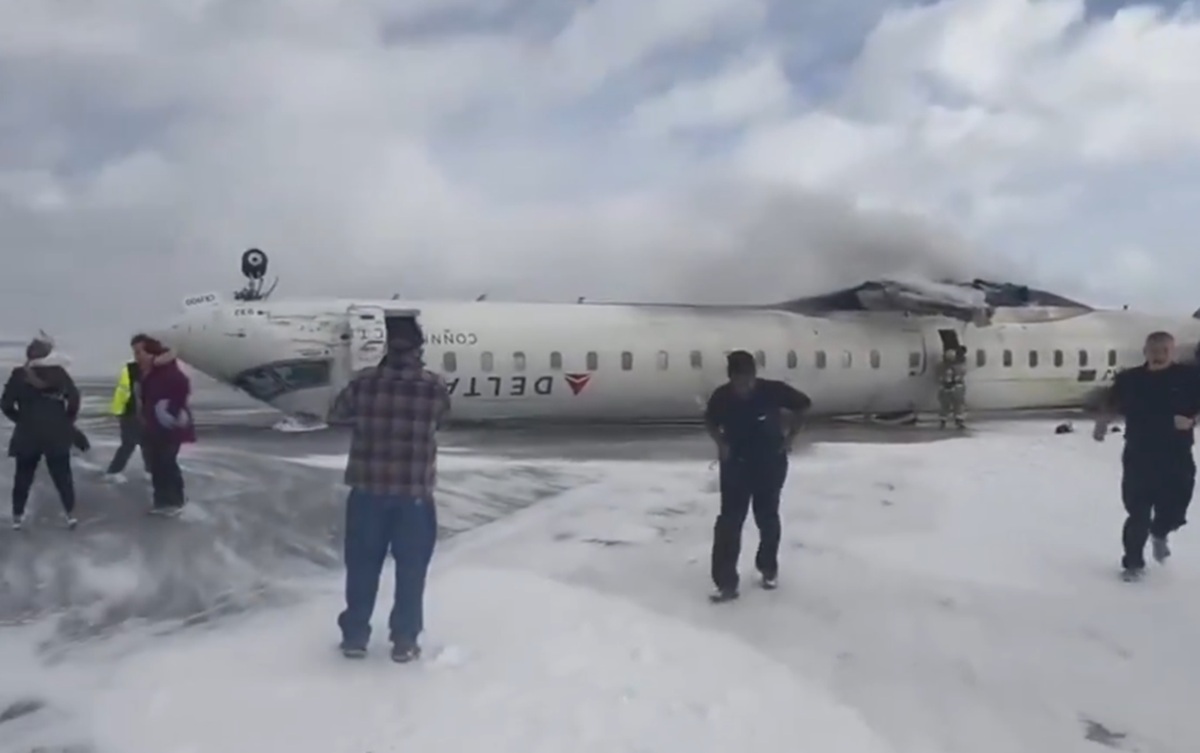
(957, 597)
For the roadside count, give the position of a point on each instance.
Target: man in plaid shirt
(395, 410)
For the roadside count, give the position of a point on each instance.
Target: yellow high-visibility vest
(123, 392)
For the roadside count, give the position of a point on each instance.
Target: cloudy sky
(649, 149)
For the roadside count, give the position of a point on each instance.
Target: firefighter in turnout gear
(952, 387)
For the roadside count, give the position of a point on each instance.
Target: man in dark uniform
(1160, 401)
(745, 417)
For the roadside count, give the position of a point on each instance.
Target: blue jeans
(375, 523)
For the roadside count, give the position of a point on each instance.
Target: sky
(692, 150)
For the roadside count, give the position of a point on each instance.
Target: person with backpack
(42, 401)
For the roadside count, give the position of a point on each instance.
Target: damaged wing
(924, 297)
(920, 297)
(975, 301)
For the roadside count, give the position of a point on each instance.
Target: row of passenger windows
(487, 361)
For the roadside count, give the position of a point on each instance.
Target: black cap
(740, 363)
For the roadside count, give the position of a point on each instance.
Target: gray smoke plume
(765, 243)
(718, 242)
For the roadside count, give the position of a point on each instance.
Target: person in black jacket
(1160, 401)
(745, 417)
(41, 399)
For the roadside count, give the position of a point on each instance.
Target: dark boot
(404, 652)
(723, 595)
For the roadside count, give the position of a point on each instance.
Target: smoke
(762, 243)
(723, 241)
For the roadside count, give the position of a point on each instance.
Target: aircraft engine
(254, 264)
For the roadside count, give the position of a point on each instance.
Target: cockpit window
(257, 383)
(274, 379)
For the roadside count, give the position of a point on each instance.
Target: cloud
(708, 149)
(742, 94)
(1064, 141)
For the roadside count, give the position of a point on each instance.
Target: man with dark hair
(1160, 401)
(745, 418)
(395, 410)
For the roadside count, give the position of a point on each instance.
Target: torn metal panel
(974, 301)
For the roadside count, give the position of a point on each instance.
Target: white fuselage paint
(517, 361)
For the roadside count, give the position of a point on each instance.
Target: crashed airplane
(867, 350)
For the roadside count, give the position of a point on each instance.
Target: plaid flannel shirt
(395, 410)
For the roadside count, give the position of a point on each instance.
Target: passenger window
(914, 360)
(792, 360)
(556, 361)
(486, 361)
(820, 359)
(1007, 358)
(1033, 359)
(518, 361)
(876, 359)
(980, 358)
(1058, 358)
(663, 360)
(697, 359)
(847, 359)
(760, 358)
(626, 361)
(1112, 358)
(449, 361)
(593, 361)
(1083, 358)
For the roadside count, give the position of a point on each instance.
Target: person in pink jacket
(167, 422)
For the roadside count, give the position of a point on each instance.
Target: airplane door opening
(369, 328)
(367, 337)
(949, 339)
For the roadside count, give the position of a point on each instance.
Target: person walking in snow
(42, 401)
(125, 407)
(1160, 401)
(745, 418)
(166, 421)
(395, 410)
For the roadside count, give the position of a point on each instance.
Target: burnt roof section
(995, 294)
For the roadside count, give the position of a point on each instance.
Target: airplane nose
(174, 334)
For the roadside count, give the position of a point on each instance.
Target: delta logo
(577, 382)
